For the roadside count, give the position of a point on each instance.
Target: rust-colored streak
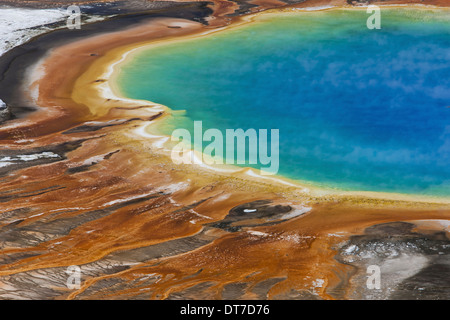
(142, 227)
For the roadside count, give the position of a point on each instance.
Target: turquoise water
(357, 109)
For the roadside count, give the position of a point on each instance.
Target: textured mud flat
(79, 186)
(414, 263)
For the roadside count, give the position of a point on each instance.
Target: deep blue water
(357, 109)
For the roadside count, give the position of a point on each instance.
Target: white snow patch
(318, 283)
(337, 234)
(294, 238)
(5, 164)
(350, 249)
(258, 233)
(94, 159)
(126, 199)
(18, 25)
(36, 215)
(6, 161)
(24, 141)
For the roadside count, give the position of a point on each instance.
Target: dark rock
(5, 112)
